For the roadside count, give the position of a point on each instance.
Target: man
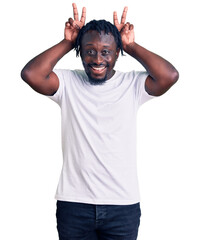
(97, 195)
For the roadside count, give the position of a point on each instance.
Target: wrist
(130, 47)
(67, 44)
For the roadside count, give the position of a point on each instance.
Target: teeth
(99, 68)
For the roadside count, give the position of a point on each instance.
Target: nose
(98, 58)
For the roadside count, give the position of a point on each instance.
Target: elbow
(25, 74)
(174, 77)
(165, 83)
(171, 79)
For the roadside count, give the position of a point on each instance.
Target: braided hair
(99, 25)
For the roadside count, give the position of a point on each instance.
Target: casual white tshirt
(99, 137)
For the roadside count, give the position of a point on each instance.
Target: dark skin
(38, 73)
(99, 54)
(162, 74)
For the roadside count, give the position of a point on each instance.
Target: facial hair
(95, 81)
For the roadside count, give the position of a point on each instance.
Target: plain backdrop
(168, 126)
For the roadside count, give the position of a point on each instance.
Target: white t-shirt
(99, 137)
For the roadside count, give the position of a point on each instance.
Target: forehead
(93, 37)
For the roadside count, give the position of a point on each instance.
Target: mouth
(98, 69)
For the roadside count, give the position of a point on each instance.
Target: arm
(162, 74)
(38, 72)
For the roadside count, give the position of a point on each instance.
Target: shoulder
(67, 72)
(65, 75)
(68, 80)
(134, 77)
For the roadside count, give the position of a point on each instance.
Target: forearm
(43, 64)
(157, 67)
(161, 74)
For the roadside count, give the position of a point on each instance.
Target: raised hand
(72, 26)
(126, 29)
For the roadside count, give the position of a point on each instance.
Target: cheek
(112, 60)
(85, 60)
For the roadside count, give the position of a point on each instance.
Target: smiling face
(98, 53)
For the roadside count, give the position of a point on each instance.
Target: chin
(96, 81)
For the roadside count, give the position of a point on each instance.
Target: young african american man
(98, 195)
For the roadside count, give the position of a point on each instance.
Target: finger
(75, 11)
(131, 27)
(125, 28)
(67, 24)
(83, 16)
(115, 19)
(123, 18)
(73, 23)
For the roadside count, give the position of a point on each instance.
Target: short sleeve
(58, 95)
(141, 94)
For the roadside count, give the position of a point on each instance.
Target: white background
(168, 126)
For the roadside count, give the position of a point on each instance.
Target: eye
(105, 52)
(91, 52)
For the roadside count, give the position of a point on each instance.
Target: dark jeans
(92, 222)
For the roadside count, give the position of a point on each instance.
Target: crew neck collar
(110, 80)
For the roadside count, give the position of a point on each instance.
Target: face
(98, 53)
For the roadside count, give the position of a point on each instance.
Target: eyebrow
(90, 44)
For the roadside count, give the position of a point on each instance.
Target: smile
(98, 69)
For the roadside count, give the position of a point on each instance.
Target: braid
(100, 25)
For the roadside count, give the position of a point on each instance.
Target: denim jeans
(103, 222)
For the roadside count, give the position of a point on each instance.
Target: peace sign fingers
(76, 16)
(73, 26)
(123, 19)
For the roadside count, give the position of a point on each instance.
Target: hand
(126, 29)
(73, 26)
